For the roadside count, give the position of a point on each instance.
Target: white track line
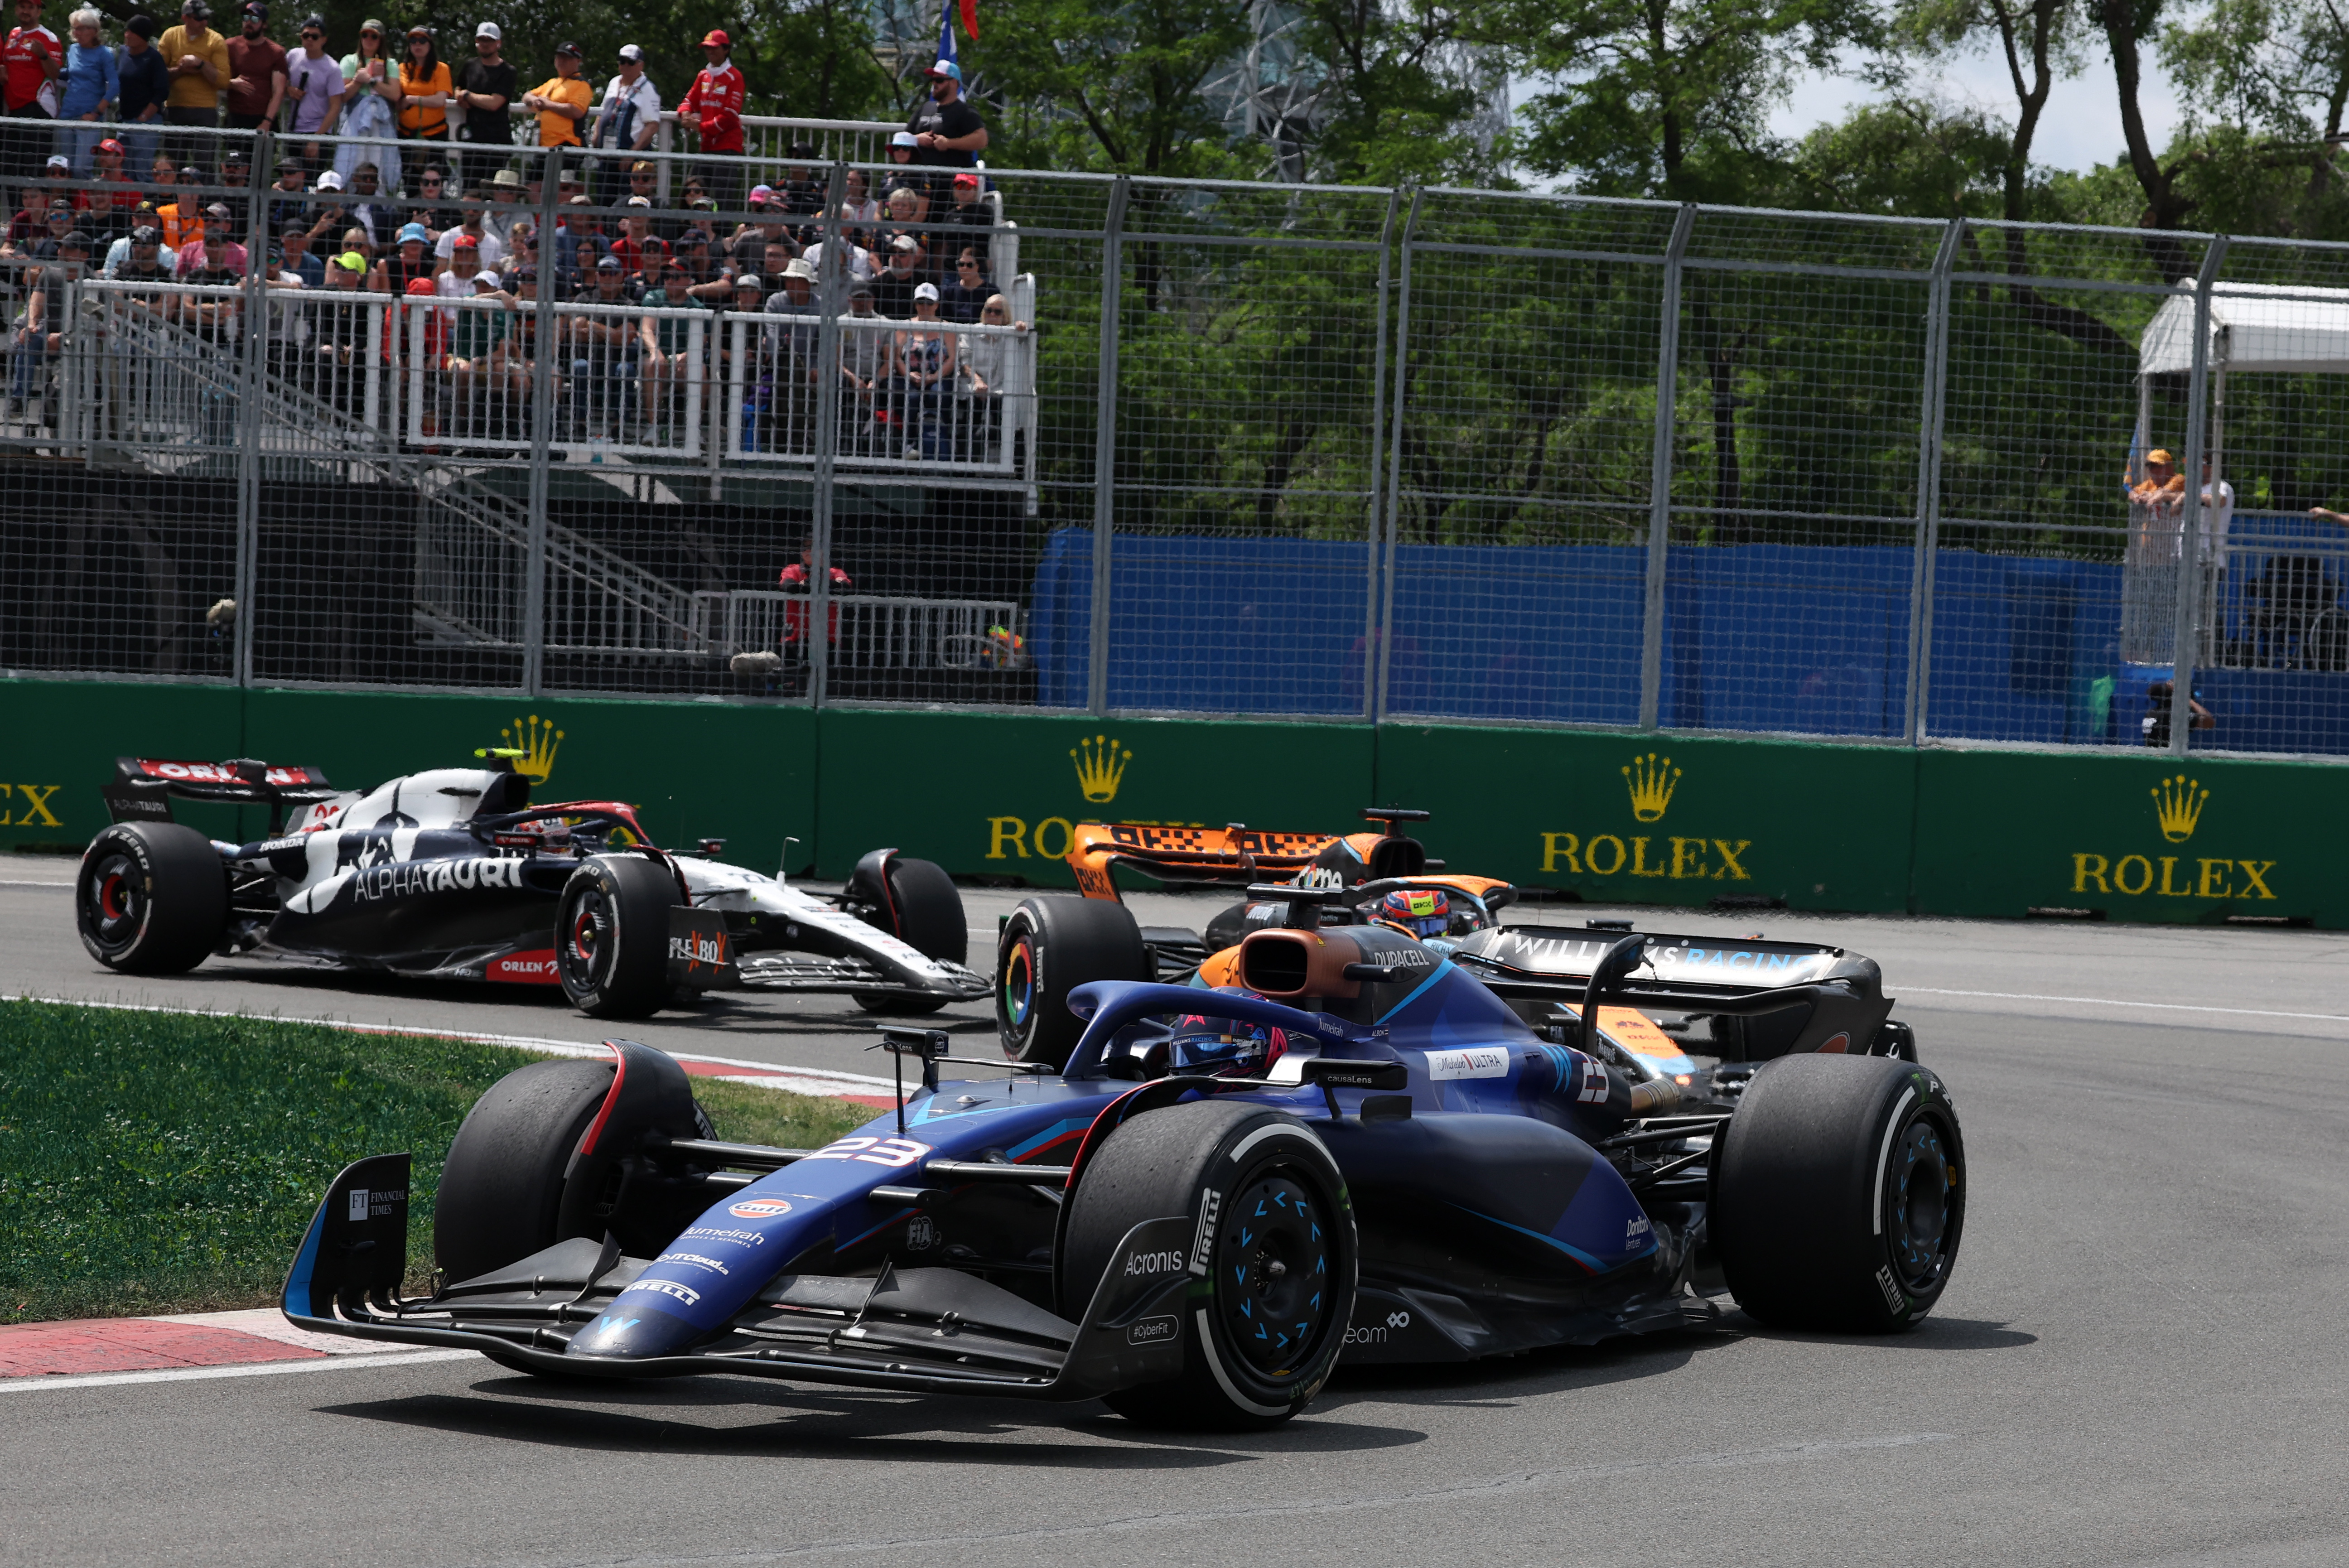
(2111, 1001)
(247, 1369)
(850, 1081)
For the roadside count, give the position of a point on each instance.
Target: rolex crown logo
(537, 742)
(1100, 766)
(2178, 804)
(1652, 780)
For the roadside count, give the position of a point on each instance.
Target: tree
(2273, 80)
(1111, 86)
(1667, 98)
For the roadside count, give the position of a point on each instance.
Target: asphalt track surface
(2140, 1360)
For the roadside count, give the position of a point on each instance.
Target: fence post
(832, 279)
(542, 432)
(1375, 675)
(1105, 447)
(248, 398)
(1660, 474)
(2189, 515)
(1378, 549)
(1924, 569)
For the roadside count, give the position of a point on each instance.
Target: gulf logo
(757, 1208)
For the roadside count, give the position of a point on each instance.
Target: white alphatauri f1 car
(454, 874)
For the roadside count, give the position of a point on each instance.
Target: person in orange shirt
(561, 101)
(2164, 485)
(424, 86)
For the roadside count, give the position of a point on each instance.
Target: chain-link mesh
(785, 430)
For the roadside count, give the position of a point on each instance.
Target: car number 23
(895, 1152)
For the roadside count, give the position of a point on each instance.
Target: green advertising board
(1643, 819)
(63, 738)
(2130, 837)
(999, 794)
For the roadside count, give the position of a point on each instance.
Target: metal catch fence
(1106, 444)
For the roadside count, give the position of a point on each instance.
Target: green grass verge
(156, 1162)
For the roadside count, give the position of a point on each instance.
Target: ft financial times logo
(2178, 806)
(1649, 781)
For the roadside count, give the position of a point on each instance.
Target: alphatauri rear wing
(144, 787)
(1842, 992)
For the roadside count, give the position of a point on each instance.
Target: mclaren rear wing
(144, 787)
(1841, 991)
(1234, 856)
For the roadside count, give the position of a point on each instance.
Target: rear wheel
(1839, 1195)
(611, 935)
(928, 918)
(151, 898)
(1049, 948)
(1261, 1342)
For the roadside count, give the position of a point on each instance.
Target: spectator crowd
(396, 172)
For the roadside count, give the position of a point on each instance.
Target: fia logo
(1100, 767)
(921, 1233)
(531, 746)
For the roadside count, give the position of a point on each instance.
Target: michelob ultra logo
(1649, 783)
(2177, 803)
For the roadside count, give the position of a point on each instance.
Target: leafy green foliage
(156, 1162)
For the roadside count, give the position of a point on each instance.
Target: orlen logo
(757, 1208)
(1152, 1263)
(525, 968)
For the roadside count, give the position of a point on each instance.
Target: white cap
(904, 243)
(630, 52)
(486, 276)
(747, 280)
(330, 181)
(928, 291)
(489, 30)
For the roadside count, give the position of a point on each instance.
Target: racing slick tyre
(929, 920)
(1277, 1233)
(1049, 948)
(611, 935)
(151, 898)
(502, 1184)
(1838, 1194)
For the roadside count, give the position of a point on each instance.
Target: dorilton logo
(2177, 803)
(1651, 781)
(1101, 766)
(537, 742)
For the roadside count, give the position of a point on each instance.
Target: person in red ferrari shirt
(713, 107)
(34, 59)
(797, 576)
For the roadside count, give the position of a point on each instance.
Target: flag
(946, 27)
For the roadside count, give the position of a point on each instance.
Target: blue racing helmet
(1422, 911)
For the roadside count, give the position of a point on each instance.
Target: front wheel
(151, 898)
(1049, 947)
(1839, 1194)
(611, 935)
(923, 910)
(1277, 1233)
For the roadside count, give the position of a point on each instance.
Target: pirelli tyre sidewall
(611, 935)
(150, 897)
(1048, 947)
(1839, 1194)
(1274, 1256)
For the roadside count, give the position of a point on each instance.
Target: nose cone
(633, 1329)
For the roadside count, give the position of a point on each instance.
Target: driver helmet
(1422, 911)
(1224, 1048)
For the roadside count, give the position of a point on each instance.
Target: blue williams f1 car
(1360, 1148)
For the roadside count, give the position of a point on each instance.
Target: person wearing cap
(472, 233)
(371, 107)
(256, 72)
(894, 288)
(138, 256)
(424, 89)
(455, 281)
(948, 131)
(315, 79)
(43, 336)
(665, 345)
(602, 347)
(579, 245)
(365, 206)
(626, 123)
(411, 259)
(480, 362)
(712, 106)
(505, 194)
(143, 85)
(487, 87)
(561, 101)
(214, 230)
(636, 246)
(111, 204)
(295, 255)
(34, 59)
(90, 84)
(212, 318)
(692, 254)
(195, 55)
(922, 359)
(970, 213)
(336, 329)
